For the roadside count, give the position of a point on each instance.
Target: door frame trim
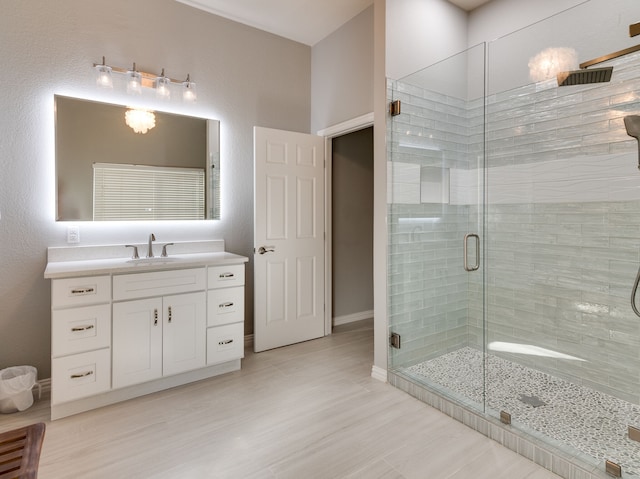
(339, 129)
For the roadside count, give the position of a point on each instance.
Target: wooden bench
(20, 452)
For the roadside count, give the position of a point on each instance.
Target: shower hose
(633, 294)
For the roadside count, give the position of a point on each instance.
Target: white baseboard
(379, 373)
(352, 318)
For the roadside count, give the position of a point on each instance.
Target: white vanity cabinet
(157, 337)
(122, 329)
(225, 313)
(162, 335)
(80, 337)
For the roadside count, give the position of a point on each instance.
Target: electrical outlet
(73, 234)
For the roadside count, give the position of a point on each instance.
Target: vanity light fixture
(137, 79)
(103, 78)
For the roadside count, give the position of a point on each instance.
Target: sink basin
(154, 260)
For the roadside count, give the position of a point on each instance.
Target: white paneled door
(288, 238)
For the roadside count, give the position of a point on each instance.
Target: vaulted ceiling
(305, 21)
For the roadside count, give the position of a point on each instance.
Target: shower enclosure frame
(553, 454)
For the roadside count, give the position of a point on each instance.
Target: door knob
(266, 249)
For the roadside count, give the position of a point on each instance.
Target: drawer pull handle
(226, 341)
(225, 305)
(226, 275)
(155, 317)
(81, 375)
(169, 309)
(83, 290)
(82, 328)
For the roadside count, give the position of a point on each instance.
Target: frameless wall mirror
(118, 163)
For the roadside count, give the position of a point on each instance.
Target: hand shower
(632, 124)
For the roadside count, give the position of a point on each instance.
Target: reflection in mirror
(109, 168)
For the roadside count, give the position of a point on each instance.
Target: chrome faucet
(150, 248)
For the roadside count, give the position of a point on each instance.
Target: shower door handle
(476, 266)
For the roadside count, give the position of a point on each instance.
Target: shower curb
(552, 459)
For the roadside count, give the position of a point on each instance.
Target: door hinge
(505, 417)
(612, 468)
(394, 340)
(395, 108)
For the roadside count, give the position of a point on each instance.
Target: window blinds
(135, 192)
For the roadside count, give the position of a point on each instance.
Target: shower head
(584, 76)
(632, 124)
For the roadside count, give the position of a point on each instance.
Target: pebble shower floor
(592, 422)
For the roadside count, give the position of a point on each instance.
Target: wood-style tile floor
(309, 410)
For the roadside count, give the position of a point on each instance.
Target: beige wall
(380, 192)
(244, 76)
(502, 17)
(342, 73)
(420, 33)
(349, 81)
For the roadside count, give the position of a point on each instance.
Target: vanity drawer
(80, 291)
(158, 283)
(80, 375)
(225, 306)
(76, 330)
(225, 343)
(226, 276)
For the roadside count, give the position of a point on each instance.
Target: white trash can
(16, 384)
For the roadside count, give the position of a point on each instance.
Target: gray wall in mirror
(89, 132)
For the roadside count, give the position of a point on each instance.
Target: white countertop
(67, 267)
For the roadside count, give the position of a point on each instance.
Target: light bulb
(162, 87)
(103, 75)
(104, 78)
(134, 82)
(189, 90)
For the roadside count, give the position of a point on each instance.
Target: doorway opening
(351, 226)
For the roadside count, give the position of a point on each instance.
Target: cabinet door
(137, 341)
(184, 332)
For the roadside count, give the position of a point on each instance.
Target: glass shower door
(562, 219)
(436, 227)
